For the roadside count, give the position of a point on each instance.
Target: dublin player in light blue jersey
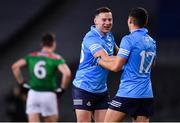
(136, 55)
(90, 96)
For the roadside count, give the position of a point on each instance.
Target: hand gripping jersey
(140, 50)
(89, 76)
(42, 67)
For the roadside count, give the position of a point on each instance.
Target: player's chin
(106, 30)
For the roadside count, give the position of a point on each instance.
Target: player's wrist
(59, 92)
(24, 87)
(21, 84)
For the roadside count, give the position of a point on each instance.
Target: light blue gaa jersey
(89, 76)
(140, 50)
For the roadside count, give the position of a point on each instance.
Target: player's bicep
(64, 69)
(19, 63)
(125, 47)
(93, 45)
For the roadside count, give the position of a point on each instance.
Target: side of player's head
(140, 16)
(102, 10)
(48, 39)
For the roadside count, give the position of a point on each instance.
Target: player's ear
(95, 21)
(131, 20)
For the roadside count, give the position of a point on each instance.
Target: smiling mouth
(107, 28)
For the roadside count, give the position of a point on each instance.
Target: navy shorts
(133, 106)
(89, 101)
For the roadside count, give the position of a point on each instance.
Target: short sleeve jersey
(140, 50)
(89, 76)
(42, 67)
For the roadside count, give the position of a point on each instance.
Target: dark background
(22, 24)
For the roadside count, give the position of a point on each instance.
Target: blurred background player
(43, 67)
(90, 95)
(136, 54)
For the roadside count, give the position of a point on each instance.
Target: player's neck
(132, 28)
(47, 49)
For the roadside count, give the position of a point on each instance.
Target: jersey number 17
(146, 61)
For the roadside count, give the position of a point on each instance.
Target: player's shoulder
(126, 38)
(35, 53)
(45, 54)
(90, 34)
(152, 39)
(91, 37)
(55, 56)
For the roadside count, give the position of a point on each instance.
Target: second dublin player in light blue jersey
(135, 80)
(136, 55)
(90, 96)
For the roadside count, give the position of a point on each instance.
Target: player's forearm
(18, 76)
(66, 75)
(115, 64)
(108, 58)
(106, 64)
(65, 80)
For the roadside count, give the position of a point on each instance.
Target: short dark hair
(101, 10)
(140, 16)
(48, 39)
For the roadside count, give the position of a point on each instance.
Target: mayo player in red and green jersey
(43, 67)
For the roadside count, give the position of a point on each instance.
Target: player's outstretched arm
(114, 64)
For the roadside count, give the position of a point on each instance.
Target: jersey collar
(94, 29)
(141, 30)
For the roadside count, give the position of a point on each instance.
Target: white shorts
(44, 103)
